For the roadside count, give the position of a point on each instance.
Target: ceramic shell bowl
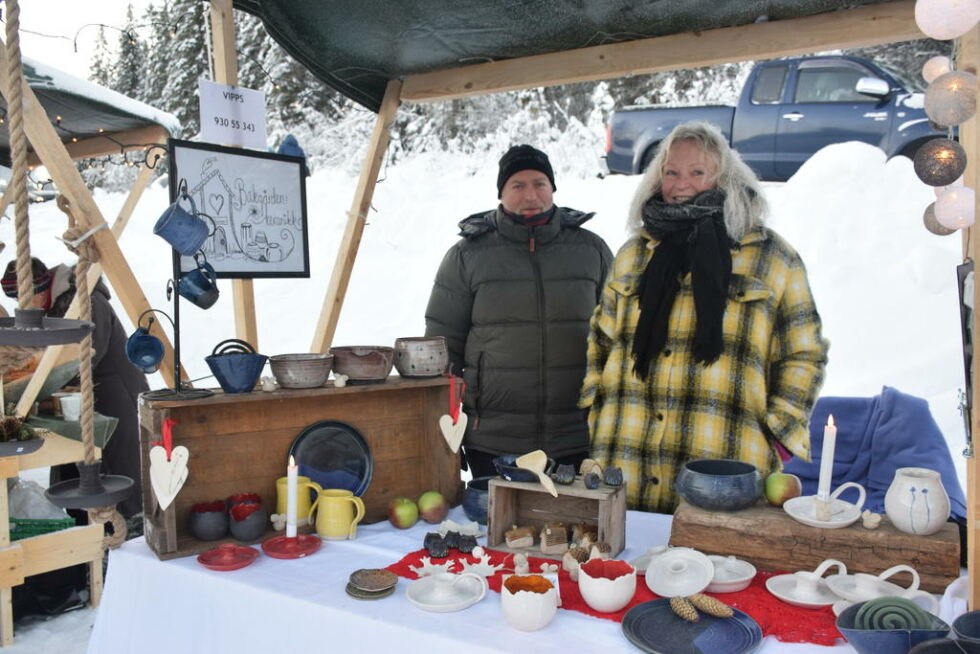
(247, 521)
(208, 520)
(527, 610)
(719, 484)
(886, 641)
(731, 574)
(607, 586)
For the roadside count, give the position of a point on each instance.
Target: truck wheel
(648, 157)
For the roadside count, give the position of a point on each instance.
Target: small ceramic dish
(842, 514)
(446, 592)
(785, 588)
(731, 574)
(680, 571)
(227, 557)
(642, 562)
(607, 586)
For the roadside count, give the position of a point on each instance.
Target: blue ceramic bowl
(886, 641)
(967, 626)
(508, 470)
(236, 372)
(719, 484)
(476, 498)
(946, 646)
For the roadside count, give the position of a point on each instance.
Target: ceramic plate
(845, 586)
(843, 514)
(654, 628)
(334, 455)
(642, 562)
(446, 592)
(784, 588)
(357, 593)
(224, 559)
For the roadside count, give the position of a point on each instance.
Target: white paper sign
(232, 115)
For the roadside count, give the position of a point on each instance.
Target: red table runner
(787, 623)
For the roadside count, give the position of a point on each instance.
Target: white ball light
(939, 190)
(952, 98)
(931, 224)
(955, 208)
(935, 67)
(946, 19)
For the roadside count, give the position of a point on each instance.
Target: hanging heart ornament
(167, 477)
(453, 433)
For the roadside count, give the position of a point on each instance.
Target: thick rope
(104, 514)
(18, 155)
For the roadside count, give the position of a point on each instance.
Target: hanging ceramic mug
(183, 229)
(199, 285)
(143, 349)
(338, 512)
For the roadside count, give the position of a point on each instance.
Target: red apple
(433, 506)
(403, 512)
(782, 486)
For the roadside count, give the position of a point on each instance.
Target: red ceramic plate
(228, 557)
(281, 547)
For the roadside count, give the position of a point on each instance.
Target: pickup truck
(789, 109)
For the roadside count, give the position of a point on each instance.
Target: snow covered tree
(186, 62)
(157, 69)
(129, 74)
(99, 69)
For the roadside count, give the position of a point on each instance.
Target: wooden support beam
(6, 199)
(871, 25)
(226, 72)
(135, 193)
(356, 219)
(115, 143)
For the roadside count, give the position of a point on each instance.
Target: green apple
(433, 506)
(403, 512)
(782, 486)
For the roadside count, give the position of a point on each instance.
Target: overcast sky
(62, 20)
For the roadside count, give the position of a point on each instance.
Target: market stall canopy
(357, 46)
(83, 112)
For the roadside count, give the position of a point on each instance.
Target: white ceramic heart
(167, 477)
(453, 433)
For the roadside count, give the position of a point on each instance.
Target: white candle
(291, 473)
(827, 460)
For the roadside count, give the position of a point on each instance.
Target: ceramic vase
(916, 501)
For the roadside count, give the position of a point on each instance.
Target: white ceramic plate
(446, 592)
(642, 562)
(784, 588)
(844, 586)
(802, 509)
(679, 571)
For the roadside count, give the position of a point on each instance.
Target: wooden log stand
(239, 443)
(771, 540)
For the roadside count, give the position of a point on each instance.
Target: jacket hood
(484, 222)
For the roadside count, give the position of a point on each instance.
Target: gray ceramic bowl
(305, 370)
(208, 520)
(886, 641)
(248, 521)
(967, 626)
(719, 484)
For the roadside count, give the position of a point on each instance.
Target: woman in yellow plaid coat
(707, 342)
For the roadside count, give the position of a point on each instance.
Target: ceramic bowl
(421, 356)
(607, 586)
(719, 484)
(363, 363)
(306, 370)
(731, 574)
(238, 498)
(208, 520)
(886, 641)
(508, 470)
(680, 571)
(946, 646)
(476, 498)
(527, 610)
(967, 626)
(248, 521)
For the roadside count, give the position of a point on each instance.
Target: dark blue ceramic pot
(235, 365)
(476, 499)
(719, 484)
(886, 641)
(967, 626)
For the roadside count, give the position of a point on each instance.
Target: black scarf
(692, 238)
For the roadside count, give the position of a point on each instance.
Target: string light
(951, 98)
(939, 162)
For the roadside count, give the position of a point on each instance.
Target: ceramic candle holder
(528, 610)
(607, 586)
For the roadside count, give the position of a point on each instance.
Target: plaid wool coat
(761, 390)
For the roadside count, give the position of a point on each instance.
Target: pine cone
(711, 606)
(682, 607)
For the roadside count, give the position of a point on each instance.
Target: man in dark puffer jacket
(513, 299)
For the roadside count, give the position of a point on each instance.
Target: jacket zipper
(478, 400)
(542, 345)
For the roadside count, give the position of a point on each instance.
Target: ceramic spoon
(535, 462)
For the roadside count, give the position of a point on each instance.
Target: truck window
(829, 84)
(769, 85)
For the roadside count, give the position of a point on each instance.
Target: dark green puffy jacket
(514, 304)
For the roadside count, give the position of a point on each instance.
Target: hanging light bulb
(935, 67)
(940, 189)
(939, 162)
(929, 220)
(952, 98)
(946, 19)
(955, 208)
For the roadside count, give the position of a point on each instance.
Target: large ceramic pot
(916, 501)
(719, 484)
(476, 499)
(421, 356)
(363, 363)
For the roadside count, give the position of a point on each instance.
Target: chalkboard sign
(255, 206)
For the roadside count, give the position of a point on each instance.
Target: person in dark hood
(117, 382)
(513, 299)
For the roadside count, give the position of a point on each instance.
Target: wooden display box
(239, 443)
(529, 504)
(770, 539)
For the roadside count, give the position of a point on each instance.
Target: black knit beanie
(523, 157)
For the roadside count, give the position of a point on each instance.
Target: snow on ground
(884, 286)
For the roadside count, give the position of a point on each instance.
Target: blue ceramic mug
(199, 285)
(144, 350)
(184, 230)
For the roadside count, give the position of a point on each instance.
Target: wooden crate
(239, 443)
(529, 504)
(770, 539)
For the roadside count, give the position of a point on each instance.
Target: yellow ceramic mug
(302, 495)
(339, 513)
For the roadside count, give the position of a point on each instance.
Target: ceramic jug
(338, 515)
(303, 502)
(199, 285)
(916, 501)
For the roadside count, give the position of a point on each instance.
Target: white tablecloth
(296, 606)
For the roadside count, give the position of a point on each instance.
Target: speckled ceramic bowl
(719, 484)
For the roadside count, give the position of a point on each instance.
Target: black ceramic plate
(334, 455)
(654, 628)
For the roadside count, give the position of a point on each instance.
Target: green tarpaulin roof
(357, 46)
